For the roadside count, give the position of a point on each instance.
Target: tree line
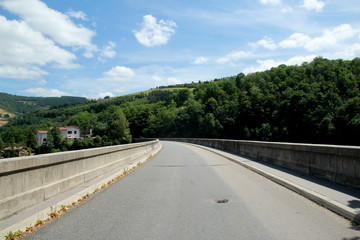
(316, 102)
(108, 127)
(22, 105)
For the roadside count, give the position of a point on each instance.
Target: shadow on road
(355, 204)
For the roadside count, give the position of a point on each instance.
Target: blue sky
(109, 48)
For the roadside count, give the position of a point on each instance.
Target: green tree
(138, 117)
(115, 124)
(30, 138)
(56, 137)
(181, 96)
(163, 124)
(211, 105)
(97, 141)
(213, 90)
(2, 144)
(84, 120)
(189, 119)
(211, 126)
(265, 132)
(77, 144)
(238, 80)
(100, 128)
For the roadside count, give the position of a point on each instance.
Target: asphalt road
(173, 196)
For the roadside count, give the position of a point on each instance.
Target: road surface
(174, 196)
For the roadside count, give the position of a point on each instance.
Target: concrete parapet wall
(26, 181)
(340, 164)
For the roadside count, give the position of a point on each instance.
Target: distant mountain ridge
(19, 105)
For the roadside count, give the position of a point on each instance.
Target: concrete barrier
(26, 181)
(339, 164)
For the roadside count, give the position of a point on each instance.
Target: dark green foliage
(163, 124)
(181, 96)
(30, 140)
(20, 105)
(113, 123)
(160, 95)
(138, 117)
(317, 102)
(54, 139)
(85, 120)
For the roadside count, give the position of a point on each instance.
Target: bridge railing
(336, 163)
(26, 181)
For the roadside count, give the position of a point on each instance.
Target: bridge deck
(346, 200)
(177, 192)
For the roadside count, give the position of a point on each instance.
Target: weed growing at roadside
(15, 235)
(53, 213)
(39, 222)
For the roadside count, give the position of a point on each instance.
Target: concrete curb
(324, 201)
(29, 217)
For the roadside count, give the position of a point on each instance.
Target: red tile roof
(13, 148)
(67, 127)
(61, 129)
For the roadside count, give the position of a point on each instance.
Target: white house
(70, 132)
(41, 137)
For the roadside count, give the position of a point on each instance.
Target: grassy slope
(152, 90)
(19, 105)
(3, 120)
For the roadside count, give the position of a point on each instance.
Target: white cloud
(42, 82)
(104, 94)
(345, 52)
(118, 74)
(340, 41)
(45, 92)
(271, 2)
(270, 63)
(284, 8)
(234, 56)
(24, 49)
(295, 40)
(314, 5)
(300, 59)
(18, 72)
(201, 60)
(173, 80)
(165, 80)
(77, 14)
(20, 44)
(156, 78)
(267, 43)
(154, 33)
(108, 51)
(331, 38)
(54, 24)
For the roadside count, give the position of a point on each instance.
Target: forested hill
(317, 102)
(20, 105)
